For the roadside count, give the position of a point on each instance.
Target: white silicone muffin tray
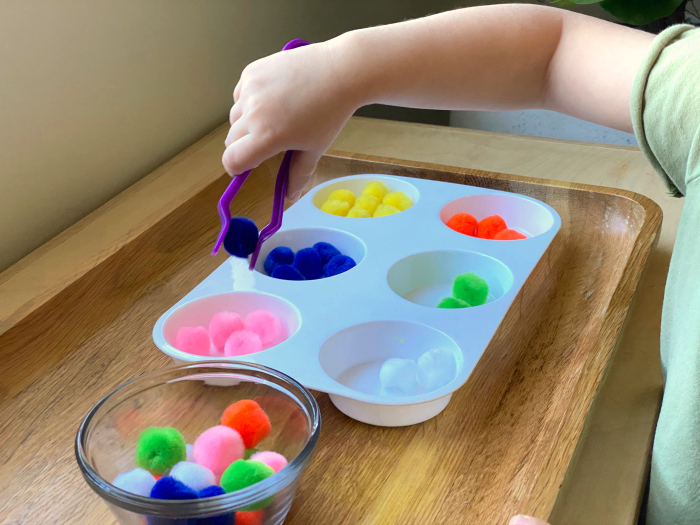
(344, 327)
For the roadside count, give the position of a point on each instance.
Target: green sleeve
(666, 116)
(665, 106)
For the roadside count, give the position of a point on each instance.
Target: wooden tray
(501, 447)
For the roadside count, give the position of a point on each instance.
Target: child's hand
(526, 520)
(292, 100)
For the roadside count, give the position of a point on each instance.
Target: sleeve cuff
(637, 100)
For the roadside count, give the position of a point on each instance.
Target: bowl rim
(200, 508)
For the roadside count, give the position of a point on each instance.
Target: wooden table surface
(602, 485)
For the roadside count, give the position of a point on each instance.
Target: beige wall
(95, 94)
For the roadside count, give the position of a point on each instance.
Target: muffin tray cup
(341, 329)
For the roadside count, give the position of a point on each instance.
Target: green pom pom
(471, 289)
(159, 449)
(249, 452)
(244, 473)
(451, 302)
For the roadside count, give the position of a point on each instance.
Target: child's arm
(492, 57)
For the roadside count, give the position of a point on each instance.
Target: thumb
(300, 170)
(526, 520)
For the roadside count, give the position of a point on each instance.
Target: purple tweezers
(224, 206)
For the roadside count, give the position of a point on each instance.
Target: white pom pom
(190, 453)
(137, 481)
(436, 368)
(194, 475)
(399, 373)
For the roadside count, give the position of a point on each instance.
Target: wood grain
(47, 271)
(502, 446)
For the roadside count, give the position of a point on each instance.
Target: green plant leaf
(563, 3)
(640, 12)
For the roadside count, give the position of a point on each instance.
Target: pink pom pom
(218, 447)
(272, 459)
(222, 325)
(193, 340)
(266, 325)
(242, 343)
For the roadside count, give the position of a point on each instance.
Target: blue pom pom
(152, 520)
(308, 263)
(211, 491)
(241, 237)
(326, 250)
(223, 519)
(338, 264)
(278, 256)
(170, 488)
(288, 273)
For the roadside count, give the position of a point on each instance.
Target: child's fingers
(238, 130)
(300, 170)
(526, 520)
(247, 153)
(237, 92)
(235, 113)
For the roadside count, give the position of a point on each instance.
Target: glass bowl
(192, 398)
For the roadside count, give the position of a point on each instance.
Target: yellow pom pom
(368, 203)
(359, 213)
(377, 189)
(384, 209)
(336, 207)
(343, 195)
(398, 199)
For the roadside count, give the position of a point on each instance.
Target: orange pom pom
(249, 420)
(509, 235)
(280, 409)
(254, 517)
(463, 223)
(490, 226)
